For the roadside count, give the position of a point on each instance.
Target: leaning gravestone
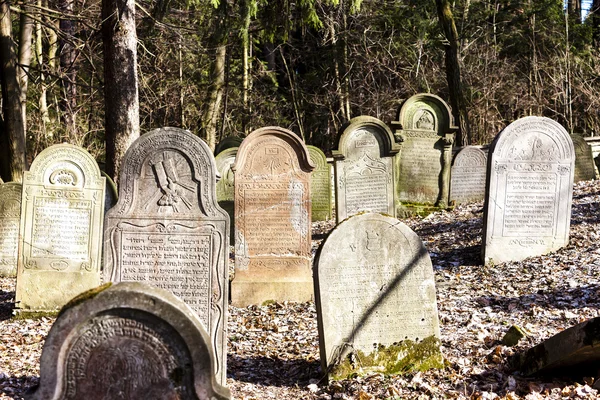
(468, 176)
(167, 229)
(425, 128)
(128, 341)
(272, 219)
(585, 169)
(364, 168)
(374, 285)
(530, 188)
(61, 228)
(225, 187)
(10, 215)
(320, 185)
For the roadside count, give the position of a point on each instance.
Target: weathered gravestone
(129, 341)
(320, 185)
(272, 219)
(374, 285)
(584, 160)
(225, 186)
(61, 228)
(10, 215)
(468, 176)
(167, 229)
(364, 168)
(227, 143)
(530, 188)
(110, 193)
(425, 128)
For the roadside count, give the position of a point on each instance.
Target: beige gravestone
(374, 285)
(320, 185)
(10, 215)
(130, 341)
(584, 160)
(364, 168)
(527, 209)
(61, 228)
(272, 219)
(467, 184)
(168, 230)
(425, 129)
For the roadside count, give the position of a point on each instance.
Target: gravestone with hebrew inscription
(467, 184)
(425, 128)
(585, 169)
(225, 188)
(320, 185)
(527, 211)
(168, 230)
(10, 216)
(374, 285)
(364, 168)
(128, 341)
(61, 228)
(272, 219)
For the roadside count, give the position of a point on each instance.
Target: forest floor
(273, 350)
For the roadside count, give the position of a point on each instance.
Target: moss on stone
(89, 294)
(24, 314)
(513, 335)
(401, 358)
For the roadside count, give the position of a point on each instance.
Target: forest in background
(227, 67)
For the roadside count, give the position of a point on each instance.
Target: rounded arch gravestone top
(468, 175)
(527, 209)
(127, 341)
(10, 217)
(320, 185)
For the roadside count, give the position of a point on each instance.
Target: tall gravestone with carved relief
(320, 185)
(272, 219)
(425, 128)
(10, 217)
(168, 230)
(61, 228)
(527, 209)
(364, 168)
(467, 183)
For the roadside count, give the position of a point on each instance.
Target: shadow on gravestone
(10, 217)
(129, 341)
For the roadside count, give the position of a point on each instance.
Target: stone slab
(62, 212)
(364, 168)
(374, 284)
(168, 230)
(225, 186)
(272, 218)
(320, 185)
(10, 217)
(128, 341)
(527, 211)
(227, 143)
(585, 169)
(467, 184)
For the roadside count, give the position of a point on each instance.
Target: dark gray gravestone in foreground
(167, 229)
(10, 216)
(129, 341)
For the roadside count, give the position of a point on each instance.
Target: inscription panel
(10, 214)
(468, 176)
(420, 168)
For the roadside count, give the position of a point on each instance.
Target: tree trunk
(457, 101)
(574, 10)
(39, 58)
(12, 133)
(68, 71)
(245, 63)
(122, 122)
(25, 40)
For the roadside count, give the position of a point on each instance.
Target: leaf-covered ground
(273, 349)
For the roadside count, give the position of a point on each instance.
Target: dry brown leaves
(273, 349)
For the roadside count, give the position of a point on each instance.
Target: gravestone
(425, 129)
(10, 216)
(320, 185)
(227, 143)
(374, 284)
(127, 341)
(110, 193)
(225, 187)
(585, 169)
(364, 168)
(272, 219)
(61, 228)
(468, 176)
(530, 188)
(168, 230)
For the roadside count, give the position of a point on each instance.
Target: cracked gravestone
(467, 184)
(320, 185)
(10, 216)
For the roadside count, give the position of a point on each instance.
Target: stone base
(245, 293)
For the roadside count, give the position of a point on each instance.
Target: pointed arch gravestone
(364, 168)
(585, 169)
(425, 129)
(527, 209)
(10, 217)
(320, 185)
(467, 183)
(61, 228)
(168, 230)
(128, 341)
(374, 285)
(272, 219)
